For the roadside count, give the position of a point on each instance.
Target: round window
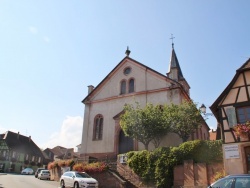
(127, 70)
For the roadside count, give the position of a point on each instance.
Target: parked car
(77, 179)
(232, 181)
(27, 171)
(38, 170)
(44, 174)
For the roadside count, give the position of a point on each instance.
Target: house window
(123, 87)
(98, 127)
(243, 114)
(39, 159)
(131, 86)
(27, 157)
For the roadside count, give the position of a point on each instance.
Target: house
(212, 135)
(17, 152)
(130, 81)
(60, 153)
(231, 108)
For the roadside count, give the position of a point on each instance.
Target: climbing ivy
(157, 166)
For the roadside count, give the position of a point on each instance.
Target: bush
(91, 167)
(157, 166)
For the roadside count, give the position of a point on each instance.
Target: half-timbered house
(232, 108)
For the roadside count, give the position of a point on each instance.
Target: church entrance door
(126, 144)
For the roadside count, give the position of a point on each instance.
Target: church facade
(130, 82)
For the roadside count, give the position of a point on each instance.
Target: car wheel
(62, 185)
(76, 185)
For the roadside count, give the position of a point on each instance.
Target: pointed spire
(174, 71)
(127, 51)
(172, 38)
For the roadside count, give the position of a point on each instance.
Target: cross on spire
(127, 51)
(172, 38)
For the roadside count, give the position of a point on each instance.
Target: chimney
(18, 135)
(29, 138)
(90, 89)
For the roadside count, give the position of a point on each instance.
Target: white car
(27, 171)
(44, 174)
(77, 180)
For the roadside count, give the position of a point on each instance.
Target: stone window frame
(98, 127)
(131, 87)
(123, 87)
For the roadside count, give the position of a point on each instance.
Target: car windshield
(82, 175)
(27, 169)
(223, 183)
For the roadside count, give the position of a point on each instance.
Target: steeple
(174, 70)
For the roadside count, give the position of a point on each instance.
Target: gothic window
(131, 88)
(98, 127)
(243, 114)
(123, 86)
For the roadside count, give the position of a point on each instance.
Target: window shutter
(231, 116)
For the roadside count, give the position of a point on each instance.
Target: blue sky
(51, 50)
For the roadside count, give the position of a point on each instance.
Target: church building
(130, 82)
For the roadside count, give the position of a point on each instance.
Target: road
(25, 181)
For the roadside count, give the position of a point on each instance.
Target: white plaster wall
(143, 80)
(111, 108)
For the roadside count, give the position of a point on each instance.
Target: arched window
(131, 88)
(98, 127)
(123, 87)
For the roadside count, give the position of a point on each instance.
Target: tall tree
(185, 119)
(145, 124)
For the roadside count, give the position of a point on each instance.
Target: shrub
(157, 166)
(219, 175)
(62, 163)
(91, 167)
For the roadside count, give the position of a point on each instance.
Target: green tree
(145, 124)
(185, 118)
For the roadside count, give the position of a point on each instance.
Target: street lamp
(203, 111)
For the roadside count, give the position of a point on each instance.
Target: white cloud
(33, 30)
(69, 136)
(46, 39)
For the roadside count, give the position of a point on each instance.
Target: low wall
(127, 173)
(195, 175)
(107, 179)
